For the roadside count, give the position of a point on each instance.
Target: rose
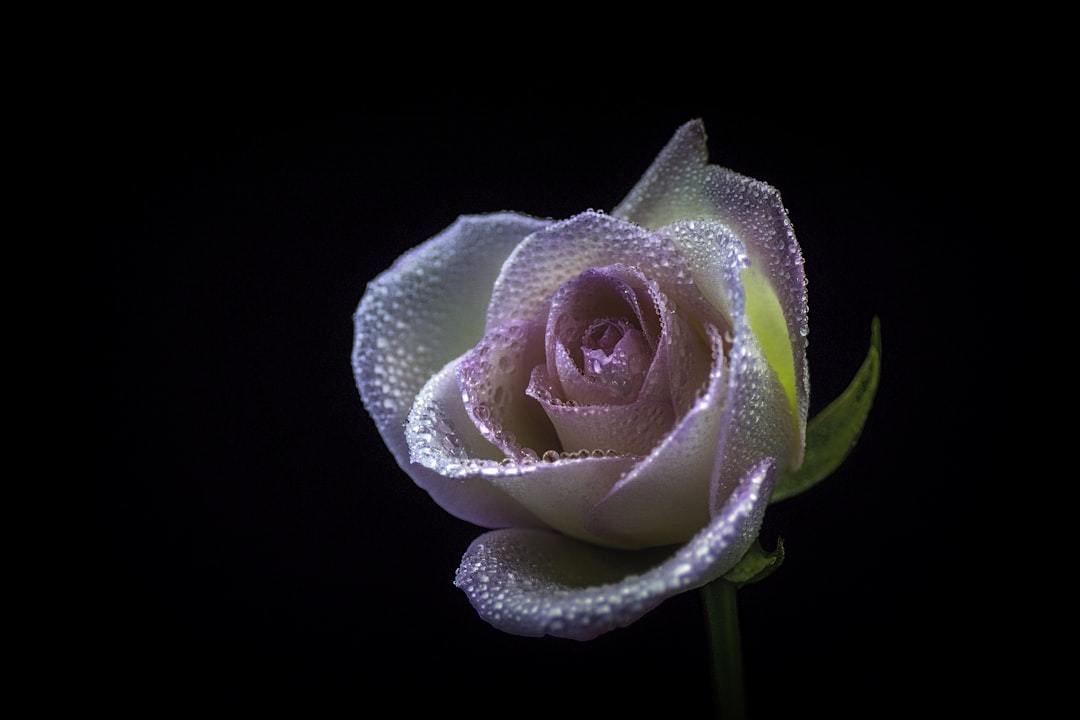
(615, 394)
(604, 389)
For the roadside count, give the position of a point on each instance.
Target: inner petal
(493, 377)
(615, 355)
(602, 332)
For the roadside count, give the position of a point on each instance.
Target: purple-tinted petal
(564, 250)
(682, 360)
(664, 499)
(681, 185)
(742, 416)
(533, 583)
(632, 429)
(591, 316)
(470, 477)
(493, 377)
(615, 378)
(677, 374)
(426, 310)
(451, 459)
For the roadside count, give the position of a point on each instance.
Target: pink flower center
(615, 354)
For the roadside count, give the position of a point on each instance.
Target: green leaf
(832, 434)
(756, 564)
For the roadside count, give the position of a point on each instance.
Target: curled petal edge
(420, 305)
(532, 582)
(682, 185)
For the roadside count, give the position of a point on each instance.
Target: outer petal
(681, 185)
(471, 478)
(757, 420)
(421, 313)
(530, 582)
(450, 457)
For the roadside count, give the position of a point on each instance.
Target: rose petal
(564, 250)
(677, 374)
(664, 499)
(424, 311)
(560, 491)
(533, 583)
(470, 477)
(681, 185)
(632, 429)
(757, 415)
(758, 419)
(493, 377)
(743, 415)
(613, 294)
(450, 458)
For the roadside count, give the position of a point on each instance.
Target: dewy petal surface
(451, 459)
(757, 421)
(651, 374)
(421, 313)
(681, 185)
(533, 582)
(741, 417)
(469, 476)
(559, 252)
(492, 378)
(664, 499)
(601, 303)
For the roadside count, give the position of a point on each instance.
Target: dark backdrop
(254, 542)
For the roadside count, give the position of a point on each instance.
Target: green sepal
(757, 564)
(833, 432)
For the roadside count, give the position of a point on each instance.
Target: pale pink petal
(601, 302)
(493, 377)
(534, 583)
(672, 383)
(632, 429)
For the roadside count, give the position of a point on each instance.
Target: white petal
(451, 459)
(681, 185)
(562, 491)
(472, 479)
(758, 420)
(533, 583)
(426, 310)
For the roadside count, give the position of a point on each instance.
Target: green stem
(725, 649)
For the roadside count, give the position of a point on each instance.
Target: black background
(253, 540)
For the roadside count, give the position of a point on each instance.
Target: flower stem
(725, 649)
